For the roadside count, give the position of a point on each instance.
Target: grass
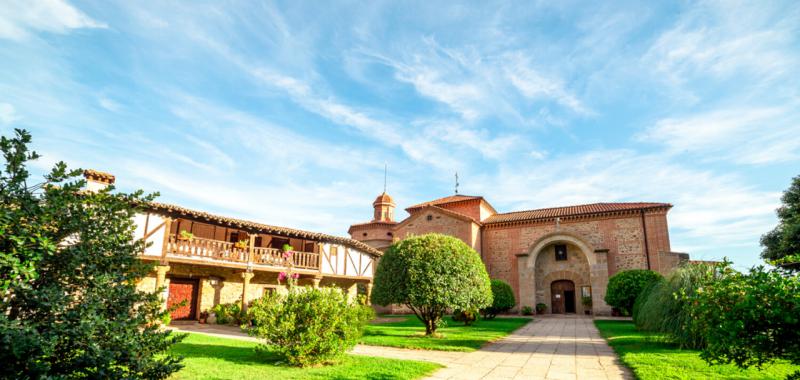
(652, 357)
(207, 357)
(410, 333)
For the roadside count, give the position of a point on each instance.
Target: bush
(228, 313)
(503, 299)
(749, 319)
(527, 310)
(431, 274)
(466, 316)
(625, 286)
(308, 326)
(540, 308)
(662, 306)
(69, 264)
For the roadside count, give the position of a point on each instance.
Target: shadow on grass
(233, 354)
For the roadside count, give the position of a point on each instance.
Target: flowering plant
(290, 277)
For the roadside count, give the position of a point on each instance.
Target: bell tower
(384, 208)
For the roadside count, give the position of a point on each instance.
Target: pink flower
(287, 254)
(281, 276)
(295, 275)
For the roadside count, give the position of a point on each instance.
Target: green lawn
(652, 358)
(207, 357)
(410, 333)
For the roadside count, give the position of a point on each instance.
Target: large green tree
(68, 269)
(782, 244)
(431, 274)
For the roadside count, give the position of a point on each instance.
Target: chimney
(96, 180)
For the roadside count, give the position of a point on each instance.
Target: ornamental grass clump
(662, 307)
(308, 326)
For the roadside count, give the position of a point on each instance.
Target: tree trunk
(430, 326)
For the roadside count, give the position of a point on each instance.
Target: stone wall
(622, 236)
(575, 269)
(439, 223)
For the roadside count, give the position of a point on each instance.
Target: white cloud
(716, 39)
(109, 104)
(18, 18)
(740, 134)
(8, 114)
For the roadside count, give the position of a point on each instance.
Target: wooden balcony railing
(225, 251)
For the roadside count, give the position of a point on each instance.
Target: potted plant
(287, 248)
(587, 304)
(527, 310)
(241, 244)
(186, 235)
(204, 317)
(540, 308)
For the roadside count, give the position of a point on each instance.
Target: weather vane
(456, 182)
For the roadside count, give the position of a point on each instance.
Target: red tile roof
(572, 211)
(178, 211)
(382, 199)
(445, 200)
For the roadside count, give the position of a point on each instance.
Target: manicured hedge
(625, 286)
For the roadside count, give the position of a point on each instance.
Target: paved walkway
(549, 348)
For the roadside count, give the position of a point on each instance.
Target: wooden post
(369, 293)
(250, 250)
(246, 277)
(161, 278)
(165, 244)
(315, 281)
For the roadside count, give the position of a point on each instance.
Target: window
(388, 234)
(561, 252)
(334, 251)
(234, 237)
(308, 247)
(364, 234)
(430, 217)
(277, 243)
(586, 291)
(258, 241)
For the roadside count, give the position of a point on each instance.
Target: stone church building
(553, 256)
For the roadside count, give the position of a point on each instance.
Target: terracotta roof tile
(445, 200)
(382, 199)
(260, 227)
(572, 211)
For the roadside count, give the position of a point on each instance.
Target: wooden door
(182, 292)
(559, 290)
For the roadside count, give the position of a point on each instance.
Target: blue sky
(285, 112)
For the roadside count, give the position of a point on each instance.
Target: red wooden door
(181, 290)
(559, 290)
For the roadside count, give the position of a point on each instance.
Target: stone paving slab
(548, 348)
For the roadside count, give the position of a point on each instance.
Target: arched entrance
(562, 294)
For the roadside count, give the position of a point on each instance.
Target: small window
(388, 234)
(234, 237)
(430, 217)
(259, 241)
(561, 252)
(586, 291)
(308, 247)
(364, 234)
(334, 251)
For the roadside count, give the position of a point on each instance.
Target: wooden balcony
(217, 250)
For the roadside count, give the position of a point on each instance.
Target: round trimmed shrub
(625, 286)
(431, 274)
(308, 326)
(503, 299)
